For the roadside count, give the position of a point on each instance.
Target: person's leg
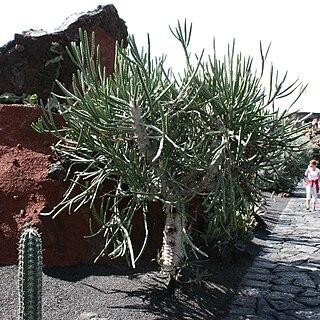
(308, 196)
(315, 196)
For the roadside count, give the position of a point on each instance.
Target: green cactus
(30, 275)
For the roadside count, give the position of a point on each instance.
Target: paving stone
(306, 249)
(288, 251)
(263, 307)
(314, 261)
(242, 311)
(303, 282)
(272, 244)
(283, 281)
(281, 305)
(259, 270)
(309, 301)
(245, 301)
(234, 317)
(260, 277)
(312, 265)
(305, 314)
(310, 292)
(267, 249)
(262, 263)
(283, 316)
(260, 317)
(290, 274)
(288, 288)
(315, 277)
(296, 278)
(253, 292)
(278, 295)
(296, 259)
(307, 267)
(284, 268)
(272, 256)
(257, 284)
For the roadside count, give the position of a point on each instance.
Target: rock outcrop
(32, 62)
(29, 65)
(26, 191)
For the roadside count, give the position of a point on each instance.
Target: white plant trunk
(172, 251)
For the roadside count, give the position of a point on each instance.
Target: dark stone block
(34, 60)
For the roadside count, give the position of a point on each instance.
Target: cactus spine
(30, 275)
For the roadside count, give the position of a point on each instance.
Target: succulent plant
(30, 274)
(203, 134)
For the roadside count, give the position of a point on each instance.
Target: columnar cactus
(30, 275)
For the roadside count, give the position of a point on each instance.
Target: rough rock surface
(26, 191)
(32, 62)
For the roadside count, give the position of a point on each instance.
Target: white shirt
(313, 174)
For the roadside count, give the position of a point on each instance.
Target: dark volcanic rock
(32, 62)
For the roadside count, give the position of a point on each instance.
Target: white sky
(292, 26)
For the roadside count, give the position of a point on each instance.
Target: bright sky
(291, 25)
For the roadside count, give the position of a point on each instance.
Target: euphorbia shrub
(205, 133)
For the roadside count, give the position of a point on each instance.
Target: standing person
(312, 186)
(315, 124)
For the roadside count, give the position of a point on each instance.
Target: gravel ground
(116, 292)
(108, 292)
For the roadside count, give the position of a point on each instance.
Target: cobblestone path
(283, 282)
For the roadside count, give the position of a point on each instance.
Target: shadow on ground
(79, 272)
(118, 292)
(185, 302)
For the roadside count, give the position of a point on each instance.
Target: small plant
(30, 274)
(10, 97)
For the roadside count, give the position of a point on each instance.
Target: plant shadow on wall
(197, 143)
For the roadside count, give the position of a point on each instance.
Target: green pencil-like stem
(30, 275)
